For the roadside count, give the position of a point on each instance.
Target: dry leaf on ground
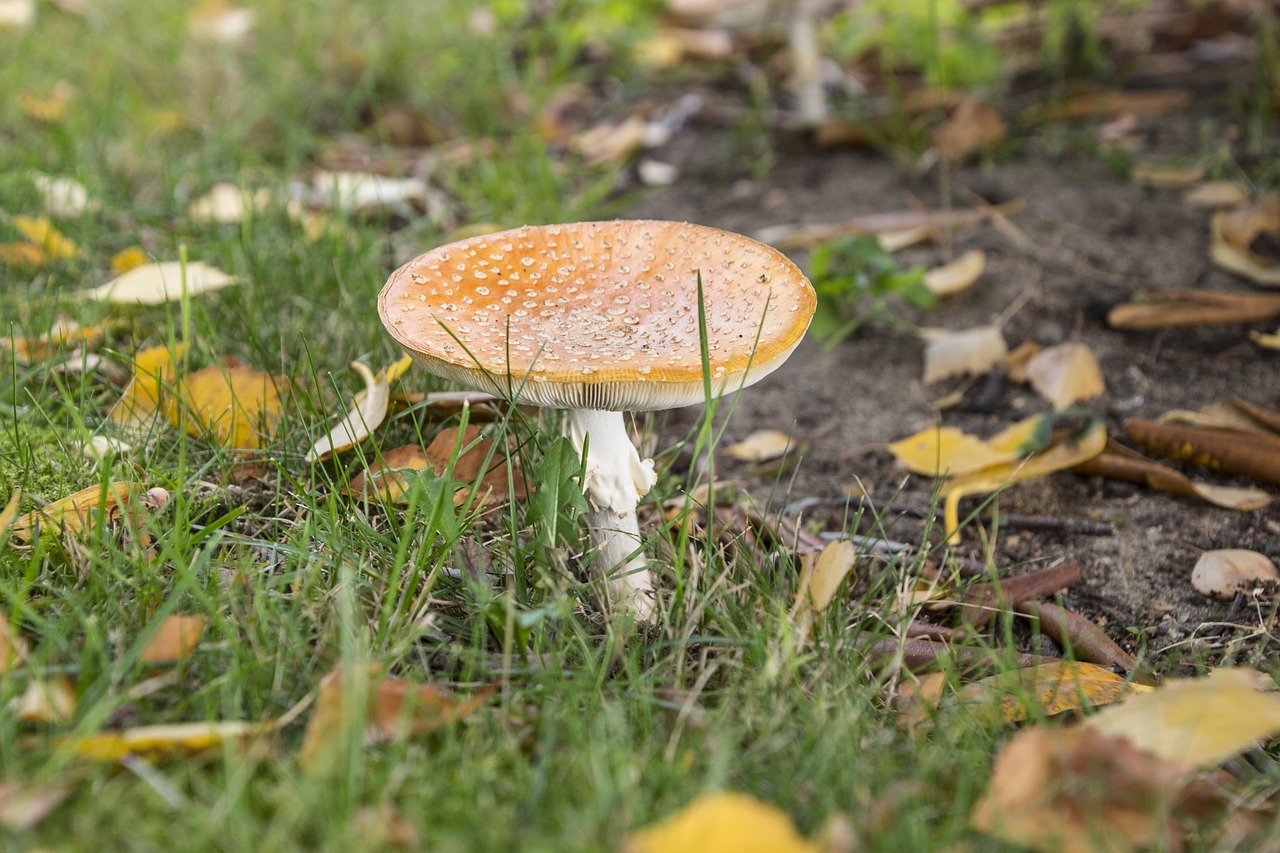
(63, 196)
(956, 276)
(723, 822)
(385, 478)
(233, 404)
(1230, 451)
(227, 203)
(948, 451)
(128, 259)
(174, 639)
(50, 701)
(17, 14)
(1233, 233)
(762, 445)
(821, 577)
(1118, 462)
(1165, 176)
(1079, 791)
(61, 334)
(153, 370)
(218, 20)
(389, 708)
(1064, 453)
(1170, 308)
(476, 457)
(968, 352)
(1217, 194)
(13, 646)
(358, 192)
(168, 740)
(1065, 374)
(42, 234)
(1197, 722)
(156, 284)
(23, 806)
(974, 125)
(366, 415)
(1223, 573)
(75, 512)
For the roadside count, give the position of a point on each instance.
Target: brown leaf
(1112, 104)
(1065, 374)
(1230, 451)
(62, 334)
(1117, 462)
(1223, 573)
(385, 477)
(975, 125)
(13, 647)
(1078, 791)
(1169, 308)
(389, 708)
(808, 236)
(1165, 177)
(174, 639)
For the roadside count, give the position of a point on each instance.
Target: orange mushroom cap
(599, 315)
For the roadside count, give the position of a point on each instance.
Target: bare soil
(1096, 239)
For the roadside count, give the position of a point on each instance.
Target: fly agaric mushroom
(599, 318)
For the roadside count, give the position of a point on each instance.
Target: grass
(595, 732)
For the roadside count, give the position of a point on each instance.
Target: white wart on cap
(599, 315)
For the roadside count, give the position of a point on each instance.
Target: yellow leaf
(174, 639)
(13, 647)
(1056, 457)
(153, 370)
(47, 108)
(761, 446)
(40, 231)
(947, 450)
(366, 415)
(821, 578)
(1262, 339)
(387, 708)
(51, 701)
(1051, 687)
(61, 334)
(1026, 436)
(1197, 721)
(1165, 176)
(235, 405)
(1233, 232)
(127, 259)
(75, 512)
(156, 284)
(724, 822)
(957, 275)
(169, 740)
(1065, 374)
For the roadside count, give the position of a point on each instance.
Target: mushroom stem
(615, 479)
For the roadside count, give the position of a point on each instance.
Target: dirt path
(1094, 240)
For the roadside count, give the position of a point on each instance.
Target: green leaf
(559, 477)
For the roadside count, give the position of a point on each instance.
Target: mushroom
(599, 318)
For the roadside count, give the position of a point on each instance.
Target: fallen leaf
(957, 275)
(356, 192)
(821, 577)
(128, 259)
(40, 232)
(156, 284)
(762, 445)
(1048, 689)
(1079, 791)
(226, 203)
(168, 740)
(74, 513)
(366, 415)
(1165, 176)
(1266, 341)
(61, 334)
(611, 142)
(1230, 451)
(99, 447)
(1199, 722)
(48, 108)
(1233, 232)
(1217, 194)
(973, 126)
(970, 351)
(13, 646)
(474, 453)
(947, 451)
(385, 478)
(23, 807)
(234, 405)
(63, 196)
(723, 822)
(936, 221)
(1065, 374)
(174, 639)
(50, 701)
(25, 256)
(139, 406)
(1170, 308)
(1138, 102)
(1222, 573)
(1065, 453)
(389, 709)
(1117, 462)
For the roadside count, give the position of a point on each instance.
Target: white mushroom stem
(615, 479)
